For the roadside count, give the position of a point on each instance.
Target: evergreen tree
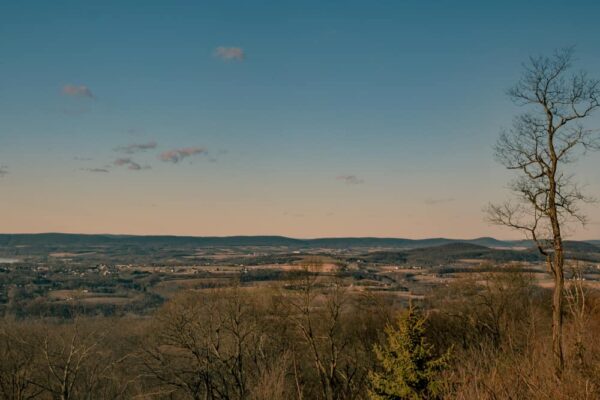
(410, 369)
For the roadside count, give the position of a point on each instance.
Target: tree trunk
(559, 260)
(559, 281)
(557, 316)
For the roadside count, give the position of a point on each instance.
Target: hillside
(68, 240)
(448, 253)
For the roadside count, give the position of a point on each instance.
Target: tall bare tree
(541, 143)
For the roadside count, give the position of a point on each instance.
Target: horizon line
(281, 236)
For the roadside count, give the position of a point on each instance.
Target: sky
(305, 119)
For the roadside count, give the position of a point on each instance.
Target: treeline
(314, 342)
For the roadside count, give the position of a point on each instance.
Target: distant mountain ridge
(66, 239)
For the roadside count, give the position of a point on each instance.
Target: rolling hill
(67, 239)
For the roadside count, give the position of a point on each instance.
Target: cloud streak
(230, 53)
(177, 155)
(129, 163)
(136, 147)
(96, 170)
(350, 179)
(77, 91)
(3, 170)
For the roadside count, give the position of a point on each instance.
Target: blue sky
(329, 119)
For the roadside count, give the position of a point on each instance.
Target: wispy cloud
(119, 162)
(442, 200)
(77, 91)
(136, 167)
(135, 147)
(129, 163)
(350, 179)
(80, 158)
(95, 170)
(3, 170)
(230, 53)
(177, 155)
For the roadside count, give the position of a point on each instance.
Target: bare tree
(213, 345)
(542, 141)
(77, 362)
(327, 337)
(17, 362)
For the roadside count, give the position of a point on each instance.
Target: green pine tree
(410, 369)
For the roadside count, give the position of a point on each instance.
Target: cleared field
(65, 254)
(88, 297)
